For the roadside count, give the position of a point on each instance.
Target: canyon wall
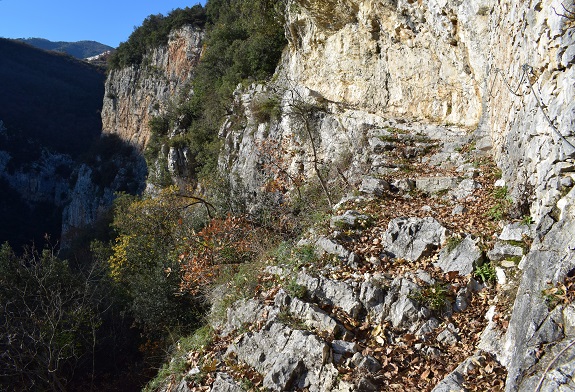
(500, 71)
(137, 93)
(503, 70)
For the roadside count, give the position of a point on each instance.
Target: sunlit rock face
(500, 70)
(466, 63)
(135, 94)
(408, 59)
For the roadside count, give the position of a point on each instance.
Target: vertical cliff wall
(503, 70)
(499, 71)
(135, 94)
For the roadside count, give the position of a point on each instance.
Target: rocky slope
(502, 70)
(395, 100)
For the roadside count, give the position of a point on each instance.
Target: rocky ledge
(409, 285)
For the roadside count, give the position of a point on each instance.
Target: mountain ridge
(79, 49)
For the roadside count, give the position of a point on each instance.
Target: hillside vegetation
(79, 49)
(52, 99)
(127, 278)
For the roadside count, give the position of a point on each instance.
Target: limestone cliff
(503, 70)
(137, 93)
(495, 75)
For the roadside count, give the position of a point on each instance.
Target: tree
(222, 244)
(48, 322)
(151, 231)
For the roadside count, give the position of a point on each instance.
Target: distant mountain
(51, 98)
(80, 49)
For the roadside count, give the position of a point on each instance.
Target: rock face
(462, 258)
(291, 359)
(504, 69)
(500, 69)
(135, 94)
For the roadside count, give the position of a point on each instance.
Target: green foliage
(244, 43)
(554, 295)
(294, 257)
(237, 283)
(503, 202)
(295, 289)
(452, 243)
(286, 318)
(434, 296)
(527, 220)
(54, 100)
(154, 32)
(485, 272)
(150, 232)
(266, 109)
(559, 293)
(198, 341)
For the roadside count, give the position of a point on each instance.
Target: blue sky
(107, 21)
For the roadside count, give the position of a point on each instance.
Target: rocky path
(406, 287)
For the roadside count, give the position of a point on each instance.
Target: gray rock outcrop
(462, 258)
(289, 358)
(412, 238)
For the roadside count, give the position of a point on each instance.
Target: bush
(49, 320)
(266, 109)
(150, 232)
(222, 244)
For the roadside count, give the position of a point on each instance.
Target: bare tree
(303, 111)
(48, 320)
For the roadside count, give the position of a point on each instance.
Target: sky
(106, 21)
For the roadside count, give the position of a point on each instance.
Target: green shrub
(485, 272)
(503, 202)
(266, 109)
(452, 242)
(296, 290)
(433, 296)
(145, 260)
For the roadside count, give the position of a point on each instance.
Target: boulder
(284, 373)
(374, 186)
(370, 295)
(465, 189)
(427, 327)
(398, 307)
(242, 312)
(288, 359)
(331, 292)
(516, 231)
(502, 251)
(350, 219)
(413, 238)
(225, 383)
(453, 382)
(462, 258)
(313, 317)
(404, 184)
(436, 184)
(343, 347)
(325, 245)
